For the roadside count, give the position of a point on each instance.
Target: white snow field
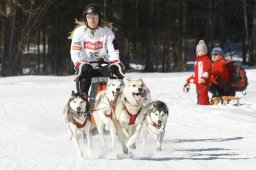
(34, 136)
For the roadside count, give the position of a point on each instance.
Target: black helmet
(92, 8)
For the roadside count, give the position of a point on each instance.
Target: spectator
(221, 74)
(201, 76)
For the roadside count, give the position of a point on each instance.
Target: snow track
(33, 134)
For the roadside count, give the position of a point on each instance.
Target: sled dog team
(123, 109)
(126, 108)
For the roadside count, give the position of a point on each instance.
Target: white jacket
(86, 46)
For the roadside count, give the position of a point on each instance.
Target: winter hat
(201, 46)
(217, 50)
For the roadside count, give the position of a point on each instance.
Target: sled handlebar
(99, 62)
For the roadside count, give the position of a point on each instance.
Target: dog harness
(79, 125)
(112, 105)
(132, 116)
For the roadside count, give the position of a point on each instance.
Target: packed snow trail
(34, 135)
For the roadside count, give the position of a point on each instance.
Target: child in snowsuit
(221, 75)
(201, 76)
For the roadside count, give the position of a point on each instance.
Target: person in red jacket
(201, 76)
(220, 74)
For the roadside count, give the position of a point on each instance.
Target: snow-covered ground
(34, 136)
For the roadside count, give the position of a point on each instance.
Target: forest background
(152, 35)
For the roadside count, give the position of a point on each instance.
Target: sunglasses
(215, 54)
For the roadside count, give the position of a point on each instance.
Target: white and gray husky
(155, 122)
(76, 114)
(105, 103)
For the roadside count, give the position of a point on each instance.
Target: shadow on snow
(201, 153)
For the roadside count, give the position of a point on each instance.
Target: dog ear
(84, 95)
(108, 82)
(126, 80)
(151, 106)
(141, 81)
(166, 109)
(72, 92)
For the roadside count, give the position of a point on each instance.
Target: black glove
(84, 70)
(116, 70)
(186, 87)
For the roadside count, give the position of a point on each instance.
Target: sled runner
(224, 100)
(98, 84)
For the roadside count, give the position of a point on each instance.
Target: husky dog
(77, 116)
(156, 119)
(129, 110)
(105, 102)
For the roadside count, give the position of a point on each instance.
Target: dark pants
(84, 79)
(218, 91)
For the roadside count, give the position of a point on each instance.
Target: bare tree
(253, 56)
(18, 31)
(246, 30)
(10, 32)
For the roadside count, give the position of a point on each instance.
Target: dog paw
(107, 127)
(158, 146)
(133, 147)
(128, 145)
(158, 149)
(161, 131)
(80, 155)
(144, 142)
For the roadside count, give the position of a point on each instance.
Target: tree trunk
(136, 30)
(210, 24)
(10, 63)
(150, 40)
(44, 49)
(120, 33)
(184, 31)
(181, 39)
(246, 39)
(254, 35)
(38, 52)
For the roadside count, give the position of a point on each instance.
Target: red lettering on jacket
(93, 45)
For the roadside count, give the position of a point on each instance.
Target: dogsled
(224, 100)
(98, 84)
